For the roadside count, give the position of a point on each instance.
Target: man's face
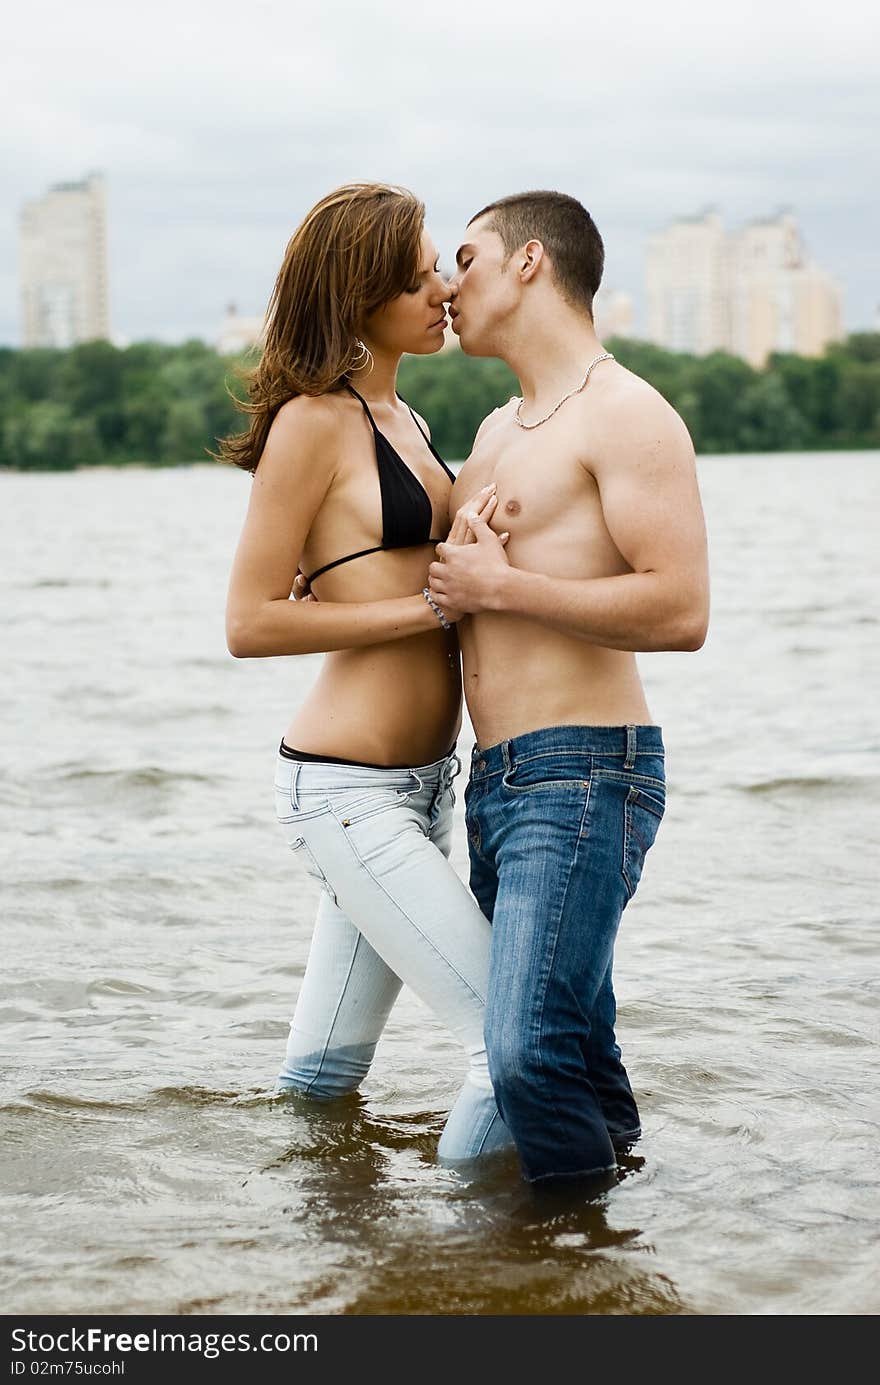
(484, 291)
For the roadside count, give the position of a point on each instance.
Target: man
(596, 485)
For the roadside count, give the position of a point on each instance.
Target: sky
(218, 124)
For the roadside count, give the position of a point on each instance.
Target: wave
(143, 777)
(102, 583)
(811, 784)
(204, 1096)
(62, 1103)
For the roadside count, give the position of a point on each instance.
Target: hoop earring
(364, 358)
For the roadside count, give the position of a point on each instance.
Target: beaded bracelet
(426, 593)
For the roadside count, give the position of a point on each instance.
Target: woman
(349, 490)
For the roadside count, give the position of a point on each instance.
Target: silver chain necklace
(605, 356)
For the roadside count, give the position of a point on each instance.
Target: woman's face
(414, 321)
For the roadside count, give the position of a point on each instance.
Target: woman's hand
(301, 589)
(483, 505)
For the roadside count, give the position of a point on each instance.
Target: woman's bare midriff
(397, 703)
(390, 704)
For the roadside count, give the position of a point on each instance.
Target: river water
(154, 931)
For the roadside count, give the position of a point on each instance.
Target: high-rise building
(687, 283)
(781, 301)
(613, 313)
(64, 265)
(751, 292)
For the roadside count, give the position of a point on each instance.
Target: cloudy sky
(217, 124)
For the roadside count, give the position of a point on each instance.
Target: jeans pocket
(350, 806)
(303, 852)
(643, 813)
(536, 778)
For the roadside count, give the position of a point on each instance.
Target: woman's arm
(292, 481)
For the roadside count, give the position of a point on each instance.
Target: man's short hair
(567, 232)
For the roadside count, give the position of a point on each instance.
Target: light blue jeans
(392, 911)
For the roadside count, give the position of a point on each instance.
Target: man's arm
(647, 483)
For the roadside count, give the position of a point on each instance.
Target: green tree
(766, 420)
(720, 384)
(859, 402)
(40, 437)
(813, 386)
(185, 434)
(860, 346)
(164, 404)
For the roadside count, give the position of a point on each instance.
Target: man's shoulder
(497, 419)
(485, 446)
(624, 391)
(627, 409)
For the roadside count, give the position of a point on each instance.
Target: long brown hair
(355, 250)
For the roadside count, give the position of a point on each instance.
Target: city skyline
(750, 291)
(216, 132)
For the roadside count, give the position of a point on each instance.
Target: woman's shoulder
(307, 429)
(309, 420)
(312, 412)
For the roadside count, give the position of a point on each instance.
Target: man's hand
(469, 571)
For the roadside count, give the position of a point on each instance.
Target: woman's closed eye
(414, 288)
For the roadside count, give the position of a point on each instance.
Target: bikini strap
(434, 453)
(366, 408)
(416, 422)
(337, 562)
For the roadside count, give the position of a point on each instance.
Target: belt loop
(506, 756)
(294, 783)
(630, 747)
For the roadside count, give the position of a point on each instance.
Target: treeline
(97, 404)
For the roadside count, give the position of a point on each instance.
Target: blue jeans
(392, 911)
(559, 822)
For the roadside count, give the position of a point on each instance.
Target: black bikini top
(406, 506)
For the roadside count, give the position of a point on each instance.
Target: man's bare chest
(537, 486)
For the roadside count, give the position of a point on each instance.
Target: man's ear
(531, 256)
